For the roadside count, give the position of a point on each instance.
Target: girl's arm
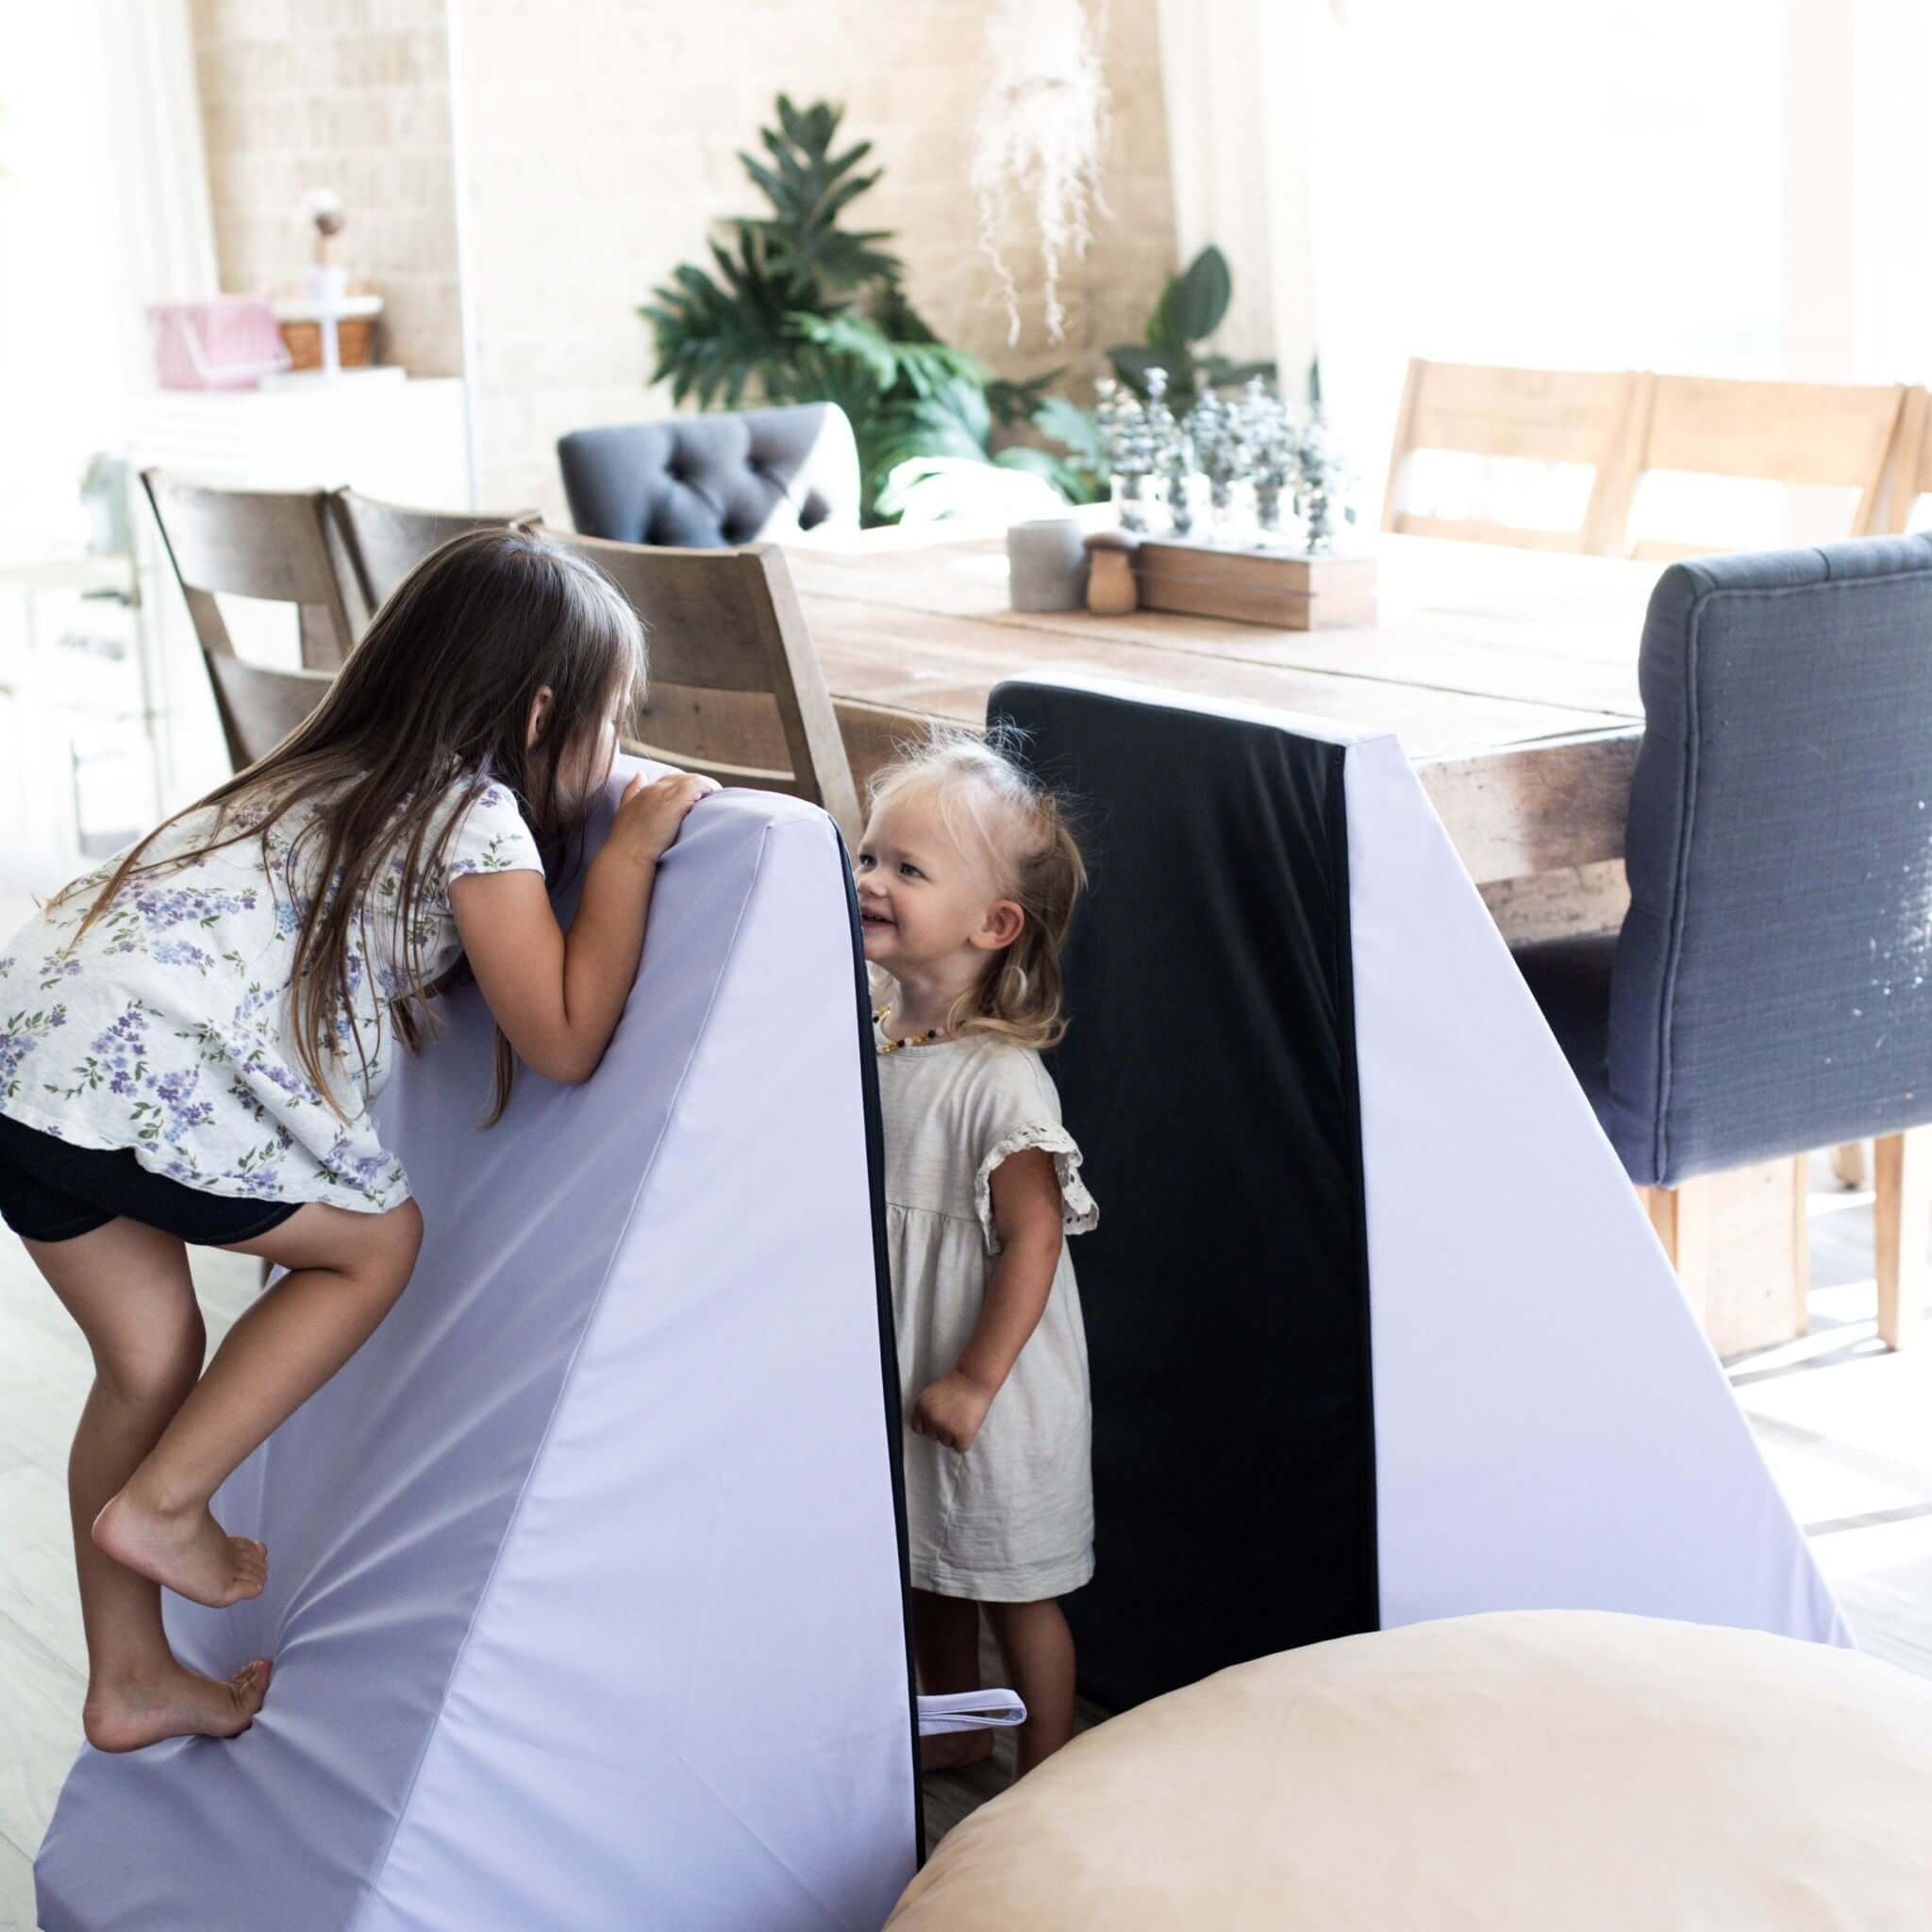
(1027, 1211)
(559, 996)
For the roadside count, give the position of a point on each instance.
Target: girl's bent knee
(161, 1370)
(384, 1253)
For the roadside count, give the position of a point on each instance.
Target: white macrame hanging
(1039, 133)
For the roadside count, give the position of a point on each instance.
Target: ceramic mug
(1046, 562)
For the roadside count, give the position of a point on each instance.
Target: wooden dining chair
(249, 543)
(270, 545)
(377, 545)
(1910, 474)
(736, 690)
(1540, 415)
(1813, 433)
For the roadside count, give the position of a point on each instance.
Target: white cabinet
(404, 441)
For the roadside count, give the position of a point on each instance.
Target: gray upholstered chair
(1771, 990)
(714, 482)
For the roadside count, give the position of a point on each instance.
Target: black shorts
(50, 1192)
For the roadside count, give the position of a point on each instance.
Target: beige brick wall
(351, 95)
(602, 144)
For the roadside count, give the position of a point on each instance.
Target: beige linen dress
(1011, 1519)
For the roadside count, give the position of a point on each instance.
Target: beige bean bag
(1527, 1772)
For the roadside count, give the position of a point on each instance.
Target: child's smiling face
(925, 904)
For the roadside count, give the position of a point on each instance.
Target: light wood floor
(1846, 1427)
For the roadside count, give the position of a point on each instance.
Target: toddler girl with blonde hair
(967, 878)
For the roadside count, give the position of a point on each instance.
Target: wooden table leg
(1801, 1244)
(1901, 1204)
(1739, 1241)
(1682, 1220)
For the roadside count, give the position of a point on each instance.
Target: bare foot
(173, 1703)
(186, 1550)
(954, 1750)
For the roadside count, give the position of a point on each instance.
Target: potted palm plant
(797, 306)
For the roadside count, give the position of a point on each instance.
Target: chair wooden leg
(1801, 1244)
(1848, 1163)
(1902, 1203)
(1682, 1220)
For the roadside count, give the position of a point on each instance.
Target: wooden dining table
(1509, 675)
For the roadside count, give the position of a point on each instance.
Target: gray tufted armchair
(715, 482)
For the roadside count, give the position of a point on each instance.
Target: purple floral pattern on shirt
(21, 1036)
(169, 1027)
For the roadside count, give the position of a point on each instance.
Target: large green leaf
(1073, 484)
(809, 188)
(1201, 297)
(894, 313)
(920, 369)
(1131, 361)
(852, 336)
(952, 421)
(719, 338)
(1015, 401)
(1164, 334)
(1076, 430)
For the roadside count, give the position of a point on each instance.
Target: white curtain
(1234, 74)
(1858, 284)
(102, 208)
(155, 119)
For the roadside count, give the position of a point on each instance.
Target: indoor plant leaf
(1201, 296)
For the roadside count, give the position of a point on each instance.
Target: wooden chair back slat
(209, 541)
(1627, 426)
(1462, 530)
(1908, 469)
(1547, 415)
(258, 707)
(1540, 415)
(736, 690)
(377, 545)
(1815, 434)
(1779, 432)
(271, 545)
(875, 736)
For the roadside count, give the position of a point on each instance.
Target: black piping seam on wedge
(888, 1345)
(1352, 1105)
(1685, 830)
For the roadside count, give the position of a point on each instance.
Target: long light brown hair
(989, 806)
(438, 692)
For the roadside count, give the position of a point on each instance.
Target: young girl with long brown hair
(192, 1036)
(967, 876)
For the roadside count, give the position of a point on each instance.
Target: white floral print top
(169, 1027)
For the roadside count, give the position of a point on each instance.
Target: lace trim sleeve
(1080, 1215)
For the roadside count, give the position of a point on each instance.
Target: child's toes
(247, 1687)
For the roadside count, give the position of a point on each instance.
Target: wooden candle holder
(1256, 585)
